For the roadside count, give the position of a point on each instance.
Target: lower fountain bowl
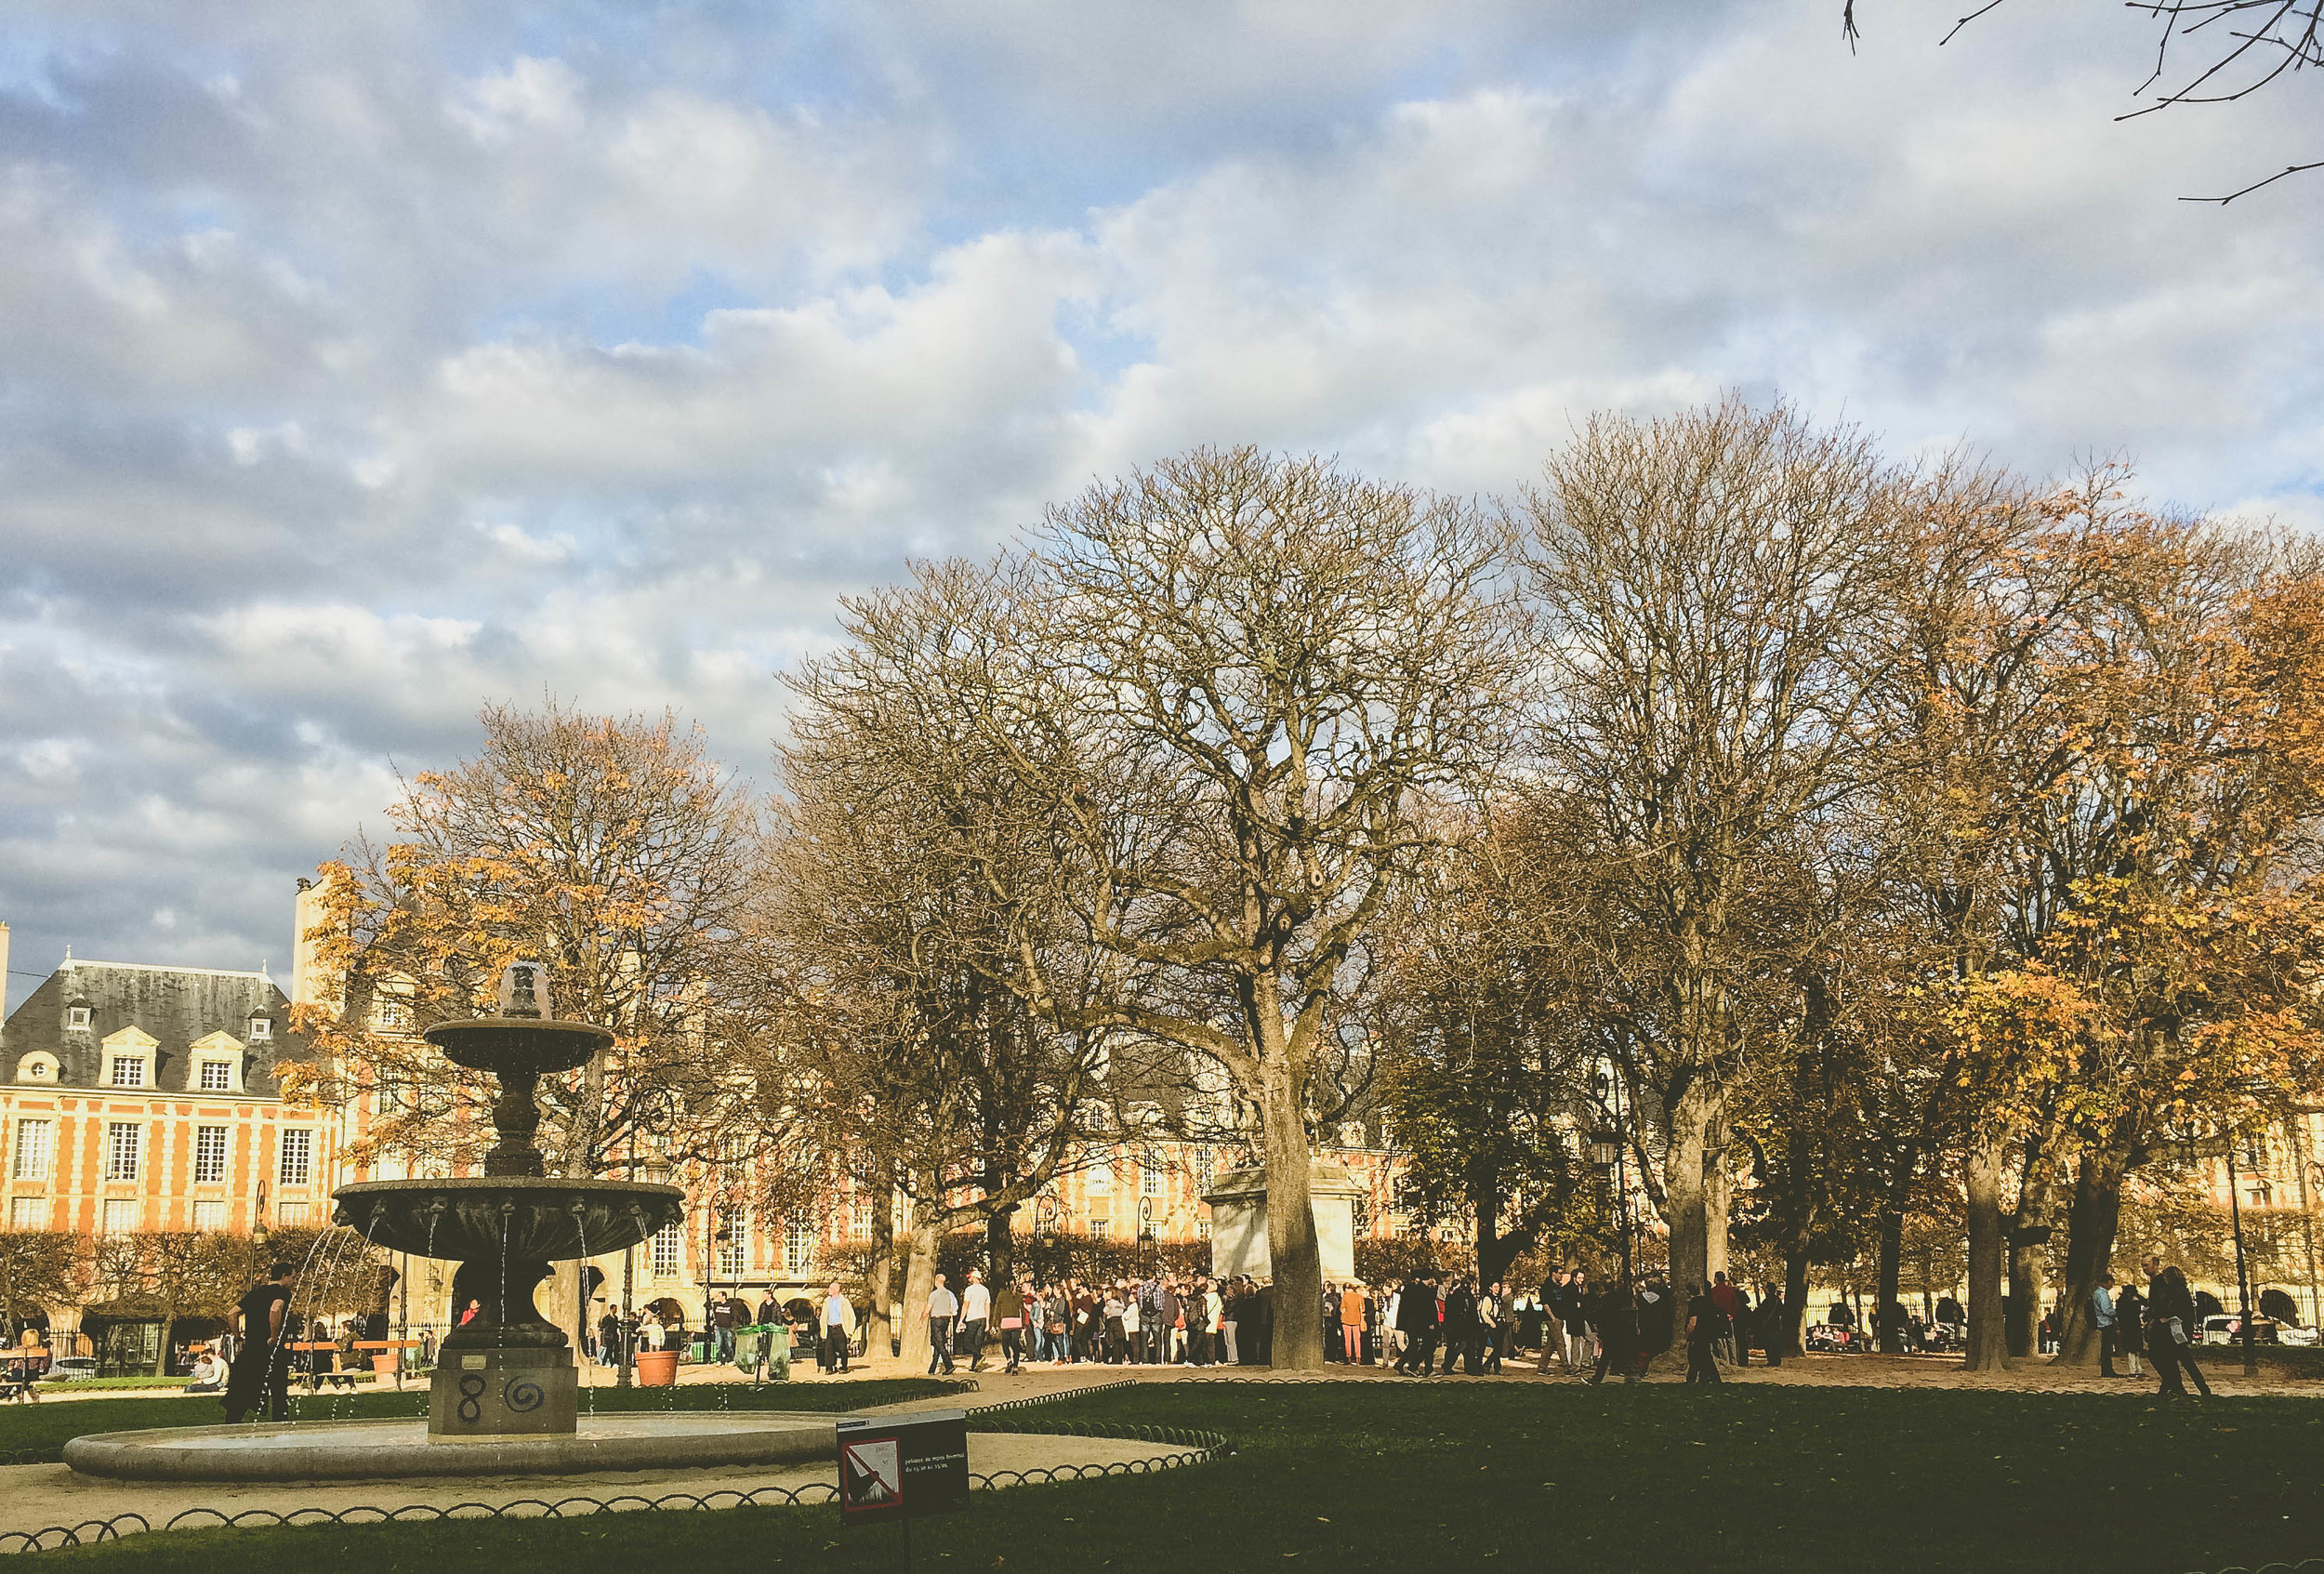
(545, 1219)
(377, 1450)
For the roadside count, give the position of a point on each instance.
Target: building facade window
(35, 1149)
(122, 1215)
(859, 1218)
(1100, 1181)
(1360, 1214)
(664, 1255)
(28, 1212)
(262, 1028)
(128, 1071)
(1101, 1225)
(291, 1215)
(217, 1077)
(209, 1155)
(798, 1242)
(733, 1224)
(297, 1167)
(76, 1017)
(1151, 1179)
(209, 1215)
(123, 1146)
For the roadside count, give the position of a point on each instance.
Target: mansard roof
(175, 1006)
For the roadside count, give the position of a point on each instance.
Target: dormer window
(76, 1017)
(214, 1063)
(38, 1066)
(128, 1071)
(261, 1027)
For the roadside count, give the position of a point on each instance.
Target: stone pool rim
(403, 1449)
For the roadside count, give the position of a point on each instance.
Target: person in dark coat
(1657, 1321)
(1460, 1323)
(2130, 1322)
(2170, 1328)
(1415, 1317)
(1704, 1323)
(1775, 1325)
(259, 1379)
(1614, 1313)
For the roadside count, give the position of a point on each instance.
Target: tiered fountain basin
(379, 1450)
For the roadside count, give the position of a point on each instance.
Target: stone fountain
(507, 1371)
(504, 1398)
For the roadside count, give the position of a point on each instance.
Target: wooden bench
(315, 1379)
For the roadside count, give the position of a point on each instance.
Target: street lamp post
(2243, 1273)
(1607, 1155)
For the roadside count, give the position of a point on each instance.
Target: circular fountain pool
(384, 1449)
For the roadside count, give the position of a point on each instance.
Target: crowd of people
(1163, 1319)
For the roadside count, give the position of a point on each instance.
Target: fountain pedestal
(480, 1395)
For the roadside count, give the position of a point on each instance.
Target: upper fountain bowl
(518, 1046)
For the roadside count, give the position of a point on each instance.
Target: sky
(360, 364)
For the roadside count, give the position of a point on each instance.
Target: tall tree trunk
(1295, 1253)
(1685, 1205)
(919, 1278)
(879, 1289)
(1889, 1273)
(1987, 1345)
(1496, 1252)
(161, 1359)
(1718, 1199)
(2036, 1198)
(1000, 1257)
(2091, 1220)
(1794, 1296)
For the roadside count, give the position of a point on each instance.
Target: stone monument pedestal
(503, 1394)
(1238, 1221)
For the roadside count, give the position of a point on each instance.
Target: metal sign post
(900, 1467)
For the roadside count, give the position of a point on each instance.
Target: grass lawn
(37, 1433)
(1446, 1475)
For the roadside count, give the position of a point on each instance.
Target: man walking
(839, 1330)
(722, 1325)
(976, 1313)
(943, 1307)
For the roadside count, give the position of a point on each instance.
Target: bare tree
(1709, 584)
(928, 979)
(1237, 683)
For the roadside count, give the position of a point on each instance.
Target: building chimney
(4, 972)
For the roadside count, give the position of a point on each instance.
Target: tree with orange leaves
(613, 850)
